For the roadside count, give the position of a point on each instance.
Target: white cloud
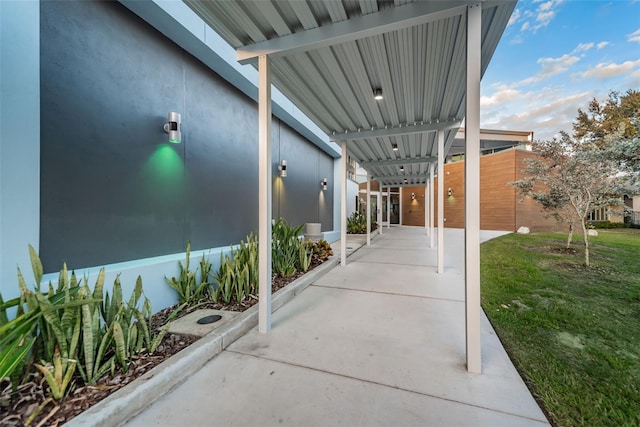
(538, 18)
(504, 94)
(539, 115)
(608, 70)
(583, 47)
(552, 66)
(634, 37)
(603, 44)
(514, 17)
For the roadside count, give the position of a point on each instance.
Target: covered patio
(391, 81)
(377, 343)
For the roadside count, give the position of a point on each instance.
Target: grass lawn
(573, 332)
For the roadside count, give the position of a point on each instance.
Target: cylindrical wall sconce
(282, 167)
(173, 128)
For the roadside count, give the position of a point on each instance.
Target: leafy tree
(617, 115)
(614, 126)
(571, 179)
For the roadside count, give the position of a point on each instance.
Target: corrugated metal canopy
(330, 56)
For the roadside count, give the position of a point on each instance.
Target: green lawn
(573, 332)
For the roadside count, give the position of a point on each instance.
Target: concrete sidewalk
(379, 342)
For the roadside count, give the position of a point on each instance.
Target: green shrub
(188, 288)
(357, 223)
(237, 276)
(285, 246)
(607, 224)
(73, 329)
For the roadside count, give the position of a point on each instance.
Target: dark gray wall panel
(112, 187)
(221, 138)
(105, 93)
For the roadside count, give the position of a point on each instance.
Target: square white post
(388, 207)
(368, 210)
(379, 209)
(426, 206)
(343, 207)
(264, 194)
(440, 201)
(431, 204)
(400, 205)
(472, 189)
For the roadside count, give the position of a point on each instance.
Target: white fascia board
(179, 23)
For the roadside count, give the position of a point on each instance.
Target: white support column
(472, 189)
(343, 207)
(426, 206)
(379, 210)
(400, 206)
(264, 193)
(368, 210)
(388, 207)
(431, 204)
(440, 201)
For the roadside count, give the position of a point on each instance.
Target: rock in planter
(523, 230)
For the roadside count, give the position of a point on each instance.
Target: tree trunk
(570, 236)
(586, 243)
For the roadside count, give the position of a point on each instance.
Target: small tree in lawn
(570, 179)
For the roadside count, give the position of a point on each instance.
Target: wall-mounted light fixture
(413, 196)
(394, 147)
(406, 181)
(282, 167)
(377, 95)
(401, 168)
(450, 192)
(173, 128)
(323, 183)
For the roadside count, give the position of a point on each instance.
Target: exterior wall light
(394, 147)
(413, 196)
(173, 128)
(450, 192)
(377, 95)
(323, 183)
(282, 167)
(401, 168)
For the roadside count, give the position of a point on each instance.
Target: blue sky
(554, 57)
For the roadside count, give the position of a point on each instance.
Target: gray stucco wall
(112, 187)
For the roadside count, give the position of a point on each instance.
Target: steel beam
(395, 131)
(396, 162)
(359, 27)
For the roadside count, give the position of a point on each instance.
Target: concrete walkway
(379, 342)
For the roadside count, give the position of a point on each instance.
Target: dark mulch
(16, 408)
